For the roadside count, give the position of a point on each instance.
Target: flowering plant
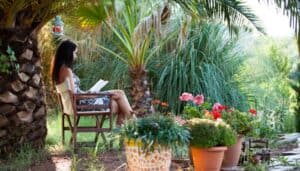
(160, 106)
(241, 122)
(197, 108)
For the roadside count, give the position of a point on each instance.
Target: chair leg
(63, 128)
(98, 127)
(75, 132)
(71, 128)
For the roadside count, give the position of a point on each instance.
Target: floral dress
(94, 101)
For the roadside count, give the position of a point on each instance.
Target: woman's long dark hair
(64, 56)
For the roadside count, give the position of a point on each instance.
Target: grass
(54, 137)
(23, 159)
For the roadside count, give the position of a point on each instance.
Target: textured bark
(22, 105)
(140, 91)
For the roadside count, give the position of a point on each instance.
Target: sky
(274, 22)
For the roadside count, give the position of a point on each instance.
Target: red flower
(219, 107)
(253, 112)
(216, 114)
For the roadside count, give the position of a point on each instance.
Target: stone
(23, 77)
(7, 109)
(31, 93)
(288, 139)
(8, 97)
(3, 121)
(28, 68)
(17, 86)
(36, 79)
(38, 63)
(40, 112)
(2, 133)
(27, 54)
(25, 116)
(29, 106)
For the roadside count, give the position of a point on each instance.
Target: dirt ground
(109, 161)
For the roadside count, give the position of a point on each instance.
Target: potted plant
(243, 124)
(149, 140)
(208, 142)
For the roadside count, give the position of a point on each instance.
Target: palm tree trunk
(140, 91)
(22, 105)
(296, 87)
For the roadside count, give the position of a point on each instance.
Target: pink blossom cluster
(198, 99)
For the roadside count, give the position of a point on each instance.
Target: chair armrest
(81, 96)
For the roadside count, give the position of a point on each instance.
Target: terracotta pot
(232, 154)
(207, 159)
(137, 160)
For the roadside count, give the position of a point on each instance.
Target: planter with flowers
(149, 140)
(243, 123)
(208, 142)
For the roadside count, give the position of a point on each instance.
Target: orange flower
(164, 104)
(155, 101)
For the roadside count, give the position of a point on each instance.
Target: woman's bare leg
(124, 108)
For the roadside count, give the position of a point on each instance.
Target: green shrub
(206, 133)
(155, 130)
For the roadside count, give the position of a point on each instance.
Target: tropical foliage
(206, 65)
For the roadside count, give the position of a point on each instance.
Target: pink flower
(199, 99)
(179, 120)
(186, 97)
(218, 107)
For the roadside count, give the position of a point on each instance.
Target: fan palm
(22, 105)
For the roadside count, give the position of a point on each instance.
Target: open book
(98, 86)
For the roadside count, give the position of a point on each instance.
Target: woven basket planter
(137, 160)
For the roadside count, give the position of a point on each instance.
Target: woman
(62, 71)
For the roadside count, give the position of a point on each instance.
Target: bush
(206, 133)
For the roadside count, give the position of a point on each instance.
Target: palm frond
(231, 11)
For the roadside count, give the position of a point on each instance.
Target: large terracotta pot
(232, 154)
(207, 159)
(137, 160)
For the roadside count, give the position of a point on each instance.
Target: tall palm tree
(22, 104)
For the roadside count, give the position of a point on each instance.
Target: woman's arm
(67, 74)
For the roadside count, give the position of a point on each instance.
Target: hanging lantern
(58, 26)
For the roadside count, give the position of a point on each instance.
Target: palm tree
(134, 39)
(22, 104)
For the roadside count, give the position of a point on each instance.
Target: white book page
(98, 86)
